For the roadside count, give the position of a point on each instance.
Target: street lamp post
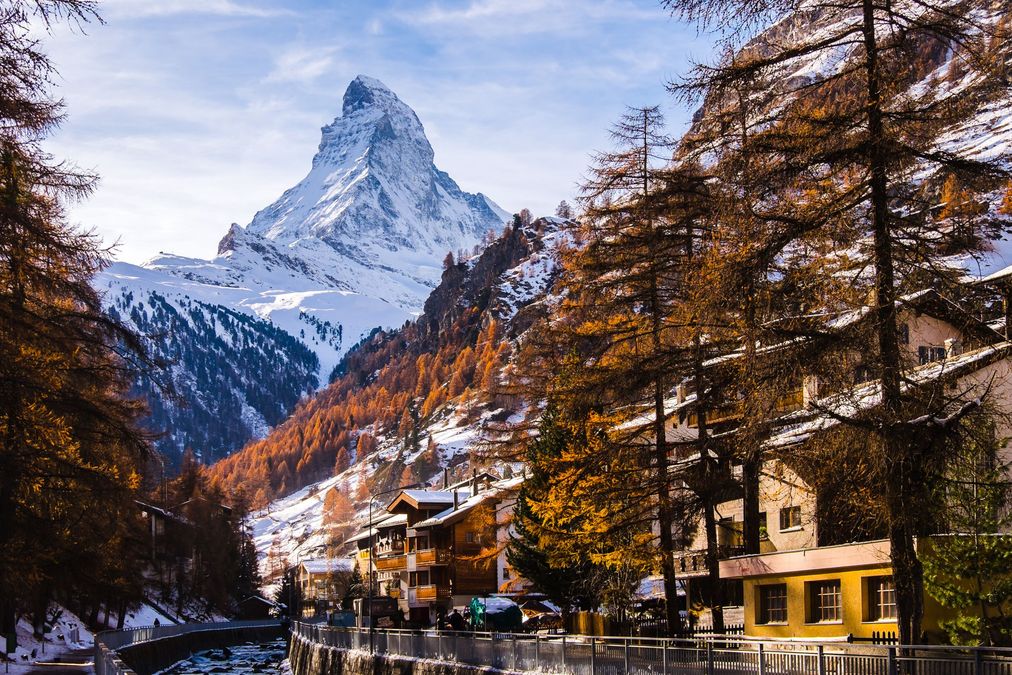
(372, 497)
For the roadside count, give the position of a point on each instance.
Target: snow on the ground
(59, 642)
(145, 615)
(292, 527)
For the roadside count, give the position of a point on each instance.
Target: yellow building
(804, 583)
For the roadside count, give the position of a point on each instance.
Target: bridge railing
(108, 662)
(703, 655)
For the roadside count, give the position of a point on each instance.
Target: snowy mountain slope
(935, 69)
(510, 277)
(357, 244)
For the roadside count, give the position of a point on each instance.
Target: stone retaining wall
(310, 658)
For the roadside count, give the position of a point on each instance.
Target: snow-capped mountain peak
(374, 196)
(358, 243)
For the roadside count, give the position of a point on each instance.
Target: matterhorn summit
(355, 245)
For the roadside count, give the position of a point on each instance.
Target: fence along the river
(706, 656)
(109, 662)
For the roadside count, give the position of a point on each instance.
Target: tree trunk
(665, 519)
(713, 566)
(122, 615)
(899, 487)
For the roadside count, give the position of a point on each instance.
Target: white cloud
(131, 9)
(197, 121)
(302, 64)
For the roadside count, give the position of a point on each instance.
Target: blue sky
(196, 113)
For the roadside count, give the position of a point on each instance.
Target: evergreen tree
(70, 450)
(567, 585)
(969, 568)
(847, 148)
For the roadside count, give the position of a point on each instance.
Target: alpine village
(740, 403)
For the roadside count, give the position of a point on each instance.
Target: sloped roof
(388, 520)
(455, 515)
(421, 499)
(327, 565)
(803, 424)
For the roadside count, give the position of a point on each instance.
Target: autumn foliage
(392, 385)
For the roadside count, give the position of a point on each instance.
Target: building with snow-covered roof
(810, 578)
(323, 583)
(435, 549)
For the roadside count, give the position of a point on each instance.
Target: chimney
(446, 477)
(456, 502)
(474, 481)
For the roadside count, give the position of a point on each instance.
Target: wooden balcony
(432, 556)
(393, 562)
(431, 593)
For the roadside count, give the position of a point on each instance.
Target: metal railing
(108, 662)
(705, 656)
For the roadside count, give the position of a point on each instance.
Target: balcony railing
(394, 562)
(389, 546)
(430, 593)
(693, 563)
(432, 556)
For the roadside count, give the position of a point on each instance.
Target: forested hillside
(230, 376)
(389, 387)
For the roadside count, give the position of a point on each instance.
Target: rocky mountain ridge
(356, 245)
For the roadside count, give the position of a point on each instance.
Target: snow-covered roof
(388, 521)
(327, 565)
(867, 396)
(454, 515)
(428, 498)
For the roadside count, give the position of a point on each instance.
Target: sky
(197, 113)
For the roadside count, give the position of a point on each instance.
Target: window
(862, 373)
(790, 518)
(881, 598)
(772, 604)
(418, 579)
(825, 603)
(764, 532)
(469, 537)
(904, 333)
(928, 354)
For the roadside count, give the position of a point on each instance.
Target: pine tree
(848, 144)
(569, 585)
(70, 450)
(625, 302)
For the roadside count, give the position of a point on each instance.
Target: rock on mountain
(356, 244)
